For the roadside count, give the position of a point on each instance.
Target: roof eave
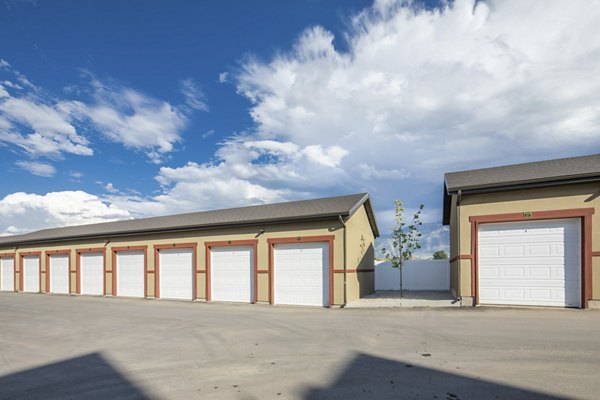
(522, 185)
(177, 229)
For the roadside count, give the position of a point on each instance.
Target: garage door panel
(302, 273)
(530, 263)
(31, 274)
(232, 273)
(7, 274)
(130, 273)
(176, 274)
(91, 273)
(59, 273)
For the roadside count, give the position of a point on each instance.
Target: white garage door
(530, 263)
(31, 274)
(7, 274)
(232, 273)
(130, 273)
(59, 273)
(91, 273)
(302, 274)
(176, 273)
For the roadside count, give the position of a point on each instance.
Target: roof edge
(173, 230)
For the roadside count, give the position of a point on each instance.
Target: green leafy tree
(440, 255)
(406, 238)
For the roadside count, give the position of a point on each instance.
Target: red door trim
(114, 251)
(78, 267)
(25, 254)
(48, 272)
(585, 214)
(224, 243)
(14, 257)
(157, 248)
(300, 239)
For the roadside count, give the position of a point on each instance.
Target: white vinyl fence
(417, 274)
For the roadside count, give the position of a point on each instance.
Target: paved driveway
(105, 348)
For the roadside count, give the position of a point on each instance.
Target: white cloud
(194, 98)
(420, 92)
(43, 125)
(416, 93)
(223, 77)
(208, 133)
(37, 168)
(33, 211)
(110, 188)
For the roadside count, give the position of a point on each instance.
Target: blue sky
(112, 110)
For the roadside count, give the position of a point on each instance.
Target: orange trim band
(595, 253)
(353, 271)
(461, 257)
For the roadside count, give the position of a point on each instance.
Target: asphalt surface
(107, 348)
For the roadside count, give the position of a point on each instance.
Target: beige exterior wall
(290, 230)
(360, 253)
(523, 201)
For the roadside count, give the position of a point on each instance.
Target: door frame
(300, 239)
(114, 251)
(21, 268)
(78, 267)
(49, 253)
(229, 243)
(584, 214)
(14, 257)
(156, 271)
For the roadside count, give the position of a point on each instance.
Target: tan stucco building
(313, 252)
(526, 234)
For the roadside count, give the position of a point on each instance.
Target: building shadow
(370, 377)
(87, 377)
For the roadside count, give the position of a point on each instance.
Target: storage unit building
(313, 252)
(527, 234)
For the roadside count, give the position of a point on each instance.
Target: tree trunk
(401, 283)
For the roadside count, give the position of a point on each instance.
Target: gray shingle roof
(523, 174)
(540, 173)
(302, 210)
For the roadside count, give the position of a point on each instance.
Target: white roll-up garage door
(91, 270)
(31, 274)
(59, 273)
(7, 274)
(130, 273)
(176, 273)
(232, 274)
(302, 274)
(530, 263)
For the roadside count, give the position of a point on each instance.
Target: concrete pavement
(83, 347)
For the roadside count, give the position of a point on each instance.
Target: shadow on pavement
(86, 377)
(370, 377)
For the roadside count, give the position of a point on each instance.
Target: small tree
(405, 239)
(440, 255)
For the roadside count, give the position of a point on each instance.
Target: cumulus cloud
(422, 91)
(33, 211)
(416, 92)
(37, 168)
